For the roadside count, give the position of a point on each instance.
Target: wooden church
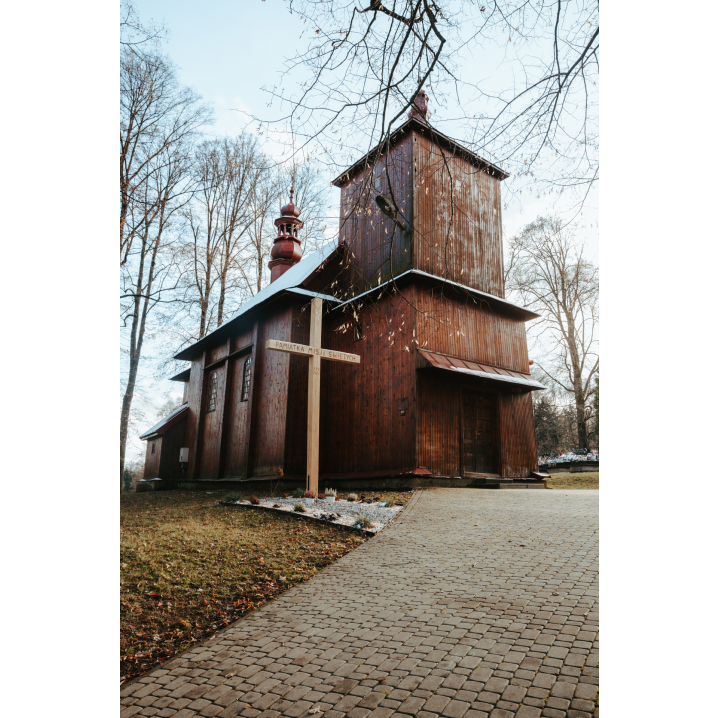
(414, 287)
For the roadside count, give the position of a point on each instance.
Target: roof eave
(422, 127)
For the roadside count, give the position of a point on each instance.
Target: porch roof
(481, 371)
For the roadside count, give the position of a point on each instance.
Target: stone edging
(294, 514)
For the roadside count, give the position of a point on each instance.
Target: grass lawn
(189, 567)
(579, 480)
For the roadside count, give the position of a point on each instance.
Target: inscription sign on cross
(315, 353)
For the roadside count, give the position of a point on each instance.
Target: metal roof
(528, 314)
(289, 281)
(424, 129)
(481, 371)
(169, 421)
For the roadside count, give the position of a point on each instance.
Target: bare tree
(150, 272)
(220, 219)
(158, 120)
(156, 112)
(367, 64)
(550, 275)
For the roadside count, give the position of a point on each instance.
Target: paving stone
(562, 689)
(450, 640)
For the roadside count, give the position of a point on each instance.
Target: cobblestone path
(471, 604)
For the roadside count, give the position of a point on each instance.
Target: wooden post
(315, 342)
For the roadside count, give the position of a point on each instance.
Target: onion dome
(289, 210)
(287, 248)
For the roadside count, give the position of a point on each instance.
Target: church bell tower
(287, 249)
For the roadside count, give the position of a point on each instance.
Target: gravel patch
(339, 511)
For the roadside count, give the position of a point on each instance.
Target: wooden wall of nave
(295, 449)
(236, 427)
(172, 441)
(361, 428)
(459, 326)
(152, 461)
(194, 400)
(269, 410)
(211, 424)
(457, 219)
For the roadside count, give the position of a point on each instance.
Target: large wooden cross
(315, 353)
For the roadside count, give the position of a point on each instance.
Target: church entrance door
(480, 433)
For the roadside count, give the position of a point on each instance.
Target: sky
(227, 50)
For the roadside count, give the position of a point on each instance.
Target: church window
(245, 378)
(358, 332)
(153, 447)
(212, 405)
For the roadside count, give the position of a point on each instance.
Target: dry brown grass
(189, 567)
(584, 480)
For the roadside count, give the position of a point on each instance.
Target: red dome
(289, 210)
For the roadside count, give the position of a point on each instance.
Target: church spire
(420, 107)
(287, 250)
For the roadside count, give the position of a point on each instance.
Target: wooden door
(480, 433)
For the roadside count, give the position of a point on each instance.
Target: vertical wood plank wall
(269, 413)
(295, 449)
(519, 456)
(459, 327)
(235, 460)
(211, 425)
(379, 250)
(194, 399)
(457, 219)
(440, 425)
(361, 428)
(172, 441)
(152, 461)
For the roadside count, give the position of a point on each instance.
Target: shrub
(330, 492)
(298, 494)
(254, 500)
(390, 502)
(310, 494)
(352, 497)
(233, 497)
(322, 496)
(299, 508)
(363, 522)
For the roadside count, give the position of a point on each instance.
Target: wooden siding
(440, 425)
(462, 327)
(237, 420)
(378, 248)
(211, 426)
(194, 399)
(519, 455)
(295, 449)
(172, 441)
(439, 422)
(361, 428)
(269, 413)
(152, 461)
(457, 219)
